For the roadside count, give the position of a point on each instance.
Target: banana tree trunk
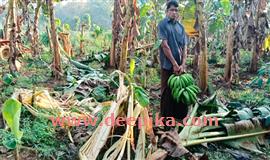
(115, 33)
(50, 38)
(35, 44)
(119, 12)
(125, 42)
(82, 40)
(6, 25)
(232, 47)
(65, 38)
(203, 70)
(195, 61)
(256, 46)
(131, 31)
(259, 36)
(229, 53)
(57, 70)
(125, 13)
(12, 36)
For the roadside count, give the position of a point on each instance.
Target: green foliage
(11, 113)
(187, 9)
(132, 67)
(87, 20)
(141, 96)
(7, 139)
(150, 14)
(6, 92)
(45, 9)
(44, 39)
(8, 79)
(153, 77)
(209, 105)
(99, 93)
(97, 30)
(102, 57)
(46, 57)
(226, 6)
(245, 57)
(58, 22)
(219, 12)
(77, 23)
(41, 135)
(95, 41)
(146, 7)
(66, 27)
(248, 97)
(263, 76)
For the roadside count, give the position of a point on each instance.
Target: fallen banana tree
(235, 124)
(243, 128)
(125, 105)
(41, 104)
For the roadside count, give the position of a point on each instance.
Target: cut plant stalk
(186, 130)
(207, 135)
(92, 147)
(209, 140)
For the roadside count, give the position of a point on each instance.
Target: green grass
(43, 137)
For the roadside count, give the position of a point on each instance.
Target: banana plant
(140, 94)
(11, 113)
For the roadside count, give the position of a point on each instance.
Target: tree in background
(35, 40)
(203, 63)
(233, 45)
(257, 21)
(125, 30)
(57, 70)
(12, 35)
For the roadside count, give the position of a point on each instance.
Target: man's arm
(168, 52)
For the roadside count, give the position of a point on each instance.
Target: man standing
(173, 53)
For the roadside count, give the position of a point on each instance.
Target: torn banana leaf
(262, 111)
(245, 127)
(210, 105)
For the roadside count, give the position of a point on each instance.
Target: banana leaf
(245, 127)
(262, 111)
(235, 105)
(266, 122)
(209, 105)
(11, 113)
(244, 114)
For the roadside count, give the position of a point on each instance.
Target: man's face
(172, 12)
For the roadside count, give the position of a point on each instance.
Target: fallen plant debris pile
(239, 128)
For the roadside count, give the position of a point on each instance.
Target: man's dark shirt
(174, 33)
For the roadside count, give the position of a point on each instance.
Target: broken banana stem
(185, 132)
(208, 134)
(196, 142)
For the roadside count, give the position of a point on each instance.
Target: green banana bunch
(181, 81)
(190, 94)
(183, 88)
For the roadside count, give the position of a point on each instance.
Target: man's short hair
(172, 3)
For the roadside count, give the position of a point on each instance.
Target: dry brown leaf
(170, 141)
(160, 154)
